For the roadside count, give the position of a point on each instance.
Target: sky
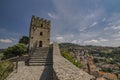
(84, 22)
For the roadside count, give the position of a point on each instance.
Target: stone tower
(39, 35)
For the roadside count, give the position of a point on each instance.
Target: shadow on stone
(47, 73)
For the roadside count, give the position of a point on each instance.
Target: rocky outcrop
(65, 70)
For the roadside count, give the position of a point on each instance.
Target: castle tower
(39, 32)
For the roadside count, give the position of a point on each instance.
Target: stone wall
(64, 69)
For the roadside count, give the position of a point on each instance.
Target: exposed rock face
(65, 70)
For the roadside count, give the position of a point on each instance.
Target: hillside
(95, 59)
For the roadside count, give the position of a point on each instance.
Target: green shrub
(6, 67)
(96, 60)
(106, 70)
(18, 49)
(69, 57)
(24, 40)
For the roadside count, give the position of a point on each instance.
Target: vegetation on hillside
(115, 56)
(6, 67)
(1, 53)
(67, 45)
(65, 53)
(101, 55)
(18, 49)
(24, 40)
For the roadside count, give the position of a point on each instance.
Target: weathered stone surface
(66, 70)
(26, 72)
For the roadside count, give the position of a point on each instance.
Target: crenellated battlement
(40, 22)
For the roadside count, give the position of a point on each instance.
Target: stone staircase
(41, 57)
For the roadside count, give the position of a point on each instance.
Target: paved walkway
(26, 72)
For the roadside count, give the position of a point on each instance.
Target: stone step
(40, 55)
(41, 51)
(39, 64)
(40, 59)
(32, 61)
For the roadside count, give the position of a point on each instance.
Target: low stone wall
(65, 70)
(22, 58)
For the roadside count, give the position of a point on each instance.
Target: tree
(96, 60)
(24, 40)
(18, 49)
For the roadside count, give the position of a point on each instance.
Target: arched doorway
(40, 43)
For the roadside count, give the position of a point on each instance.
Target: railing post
(16, 66)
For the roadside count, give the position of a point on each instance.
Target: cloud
(8, 38)
(113, 27)
(76, 41)
(75, 17)
(91, 41)
(6, 41)
(52, 16)
(117, 39)
(59, 38)
(93, 24)
(6, 33)
(106, 28)
(113, 22)
(116, 27)
(104, 19)
(96, 41)
(87, 21)
(116, 35)
(103, 40)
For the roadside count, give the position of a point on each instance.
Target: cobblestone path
(26, 72)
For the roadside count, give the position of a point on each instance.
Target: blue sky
(85, 22)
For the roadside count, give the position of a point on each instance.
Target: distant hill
(72, 45)
(68, 45)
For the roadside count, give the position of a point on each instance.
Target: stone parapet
(65, 70)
